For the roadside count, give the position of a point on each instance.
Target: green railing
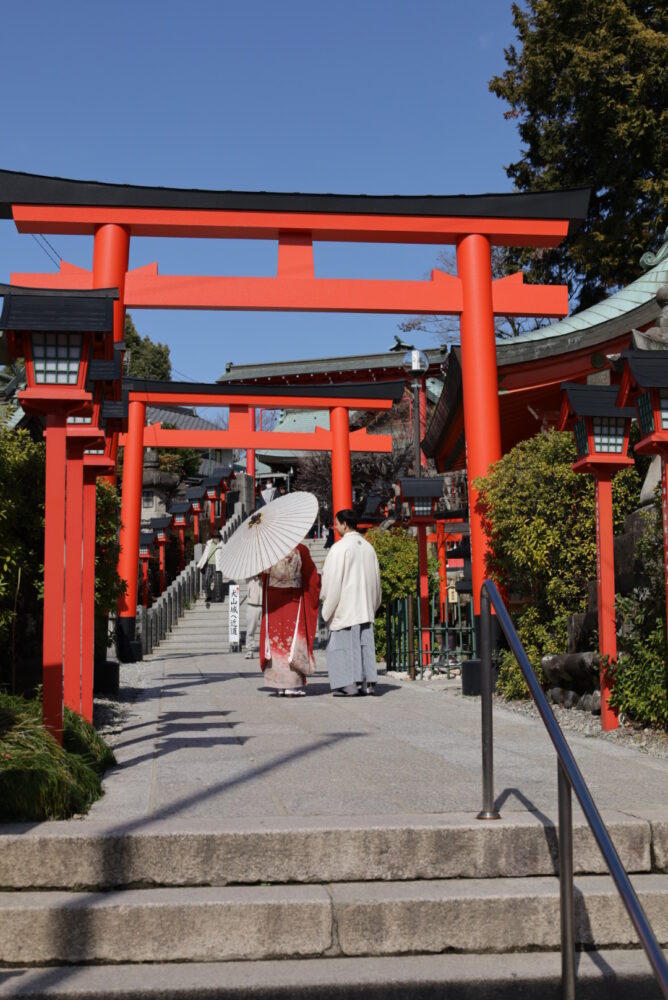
(450, 633)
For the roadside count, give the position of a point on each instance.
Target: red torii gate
(241, 399)
(113, 214)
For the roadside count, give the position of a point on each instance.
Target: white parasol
(268, 535)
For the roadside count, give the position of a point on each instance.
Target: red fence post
(54, 573)
(128, 560)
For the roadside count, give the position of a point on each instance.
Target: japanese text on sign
(235, 636)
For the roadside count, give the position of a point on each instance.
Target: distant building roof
(386, 366)
(632, 306)
(180, 417)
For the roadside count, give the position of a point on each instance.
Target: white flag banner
(233, 594)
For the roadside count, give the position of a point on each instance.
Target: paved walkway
(207, 742)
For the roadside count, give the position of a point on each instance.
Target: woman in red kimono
(289, 622)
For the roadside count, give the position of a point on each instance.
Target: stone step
(196, 631)
(217, 924)
(318, 849)
(202, 643)
(613, 974)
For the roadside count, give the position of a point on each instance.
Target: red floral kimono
(290, 593)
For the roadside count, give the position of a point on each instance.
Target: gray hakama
(351, 656)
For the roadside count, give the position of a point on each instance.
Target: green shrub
(539, 518)
(640, 677)
(397, 552)
(21, 549)
(40, 780)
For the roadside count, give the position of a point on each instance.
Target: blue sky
(366, 97)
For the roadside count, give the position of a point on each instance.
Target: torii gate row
(241, 433)
(113, 214)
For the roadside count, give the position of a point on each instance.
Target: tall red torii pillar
(473, 224)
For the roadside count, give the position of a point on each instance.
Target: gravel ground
(653, 742)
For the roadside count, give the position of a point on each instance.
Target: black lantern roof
(161, 523)
(371, 509)
(419, 487)
(180, 507)
(100, 370)
(71, 311)
(196, 492)
(595, 400)
(212, 481)
(648, 368)
(146, 538)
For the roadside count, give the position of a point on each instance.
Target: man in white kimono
(351, 595)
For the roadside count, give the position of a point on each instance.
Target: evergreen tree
(588, 87)
(144, 358)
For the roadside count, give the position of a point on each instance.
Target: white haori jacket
(208, 552)
(350, 588)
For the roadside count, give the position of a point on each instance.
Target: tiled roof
(184, 420)
(639, 296)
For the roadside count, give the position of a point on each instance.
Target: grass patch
(40, 780)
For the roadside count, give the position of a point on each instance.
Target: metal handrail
(569, 778)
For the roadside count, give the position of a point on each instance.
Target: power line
(51, 245)
(54, 260)
(186, 377)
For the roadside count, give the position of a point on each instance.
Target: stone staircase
(204, 628)
(431, 907)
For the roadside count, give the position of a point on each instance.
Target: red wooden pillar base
(223, 508)
(128, 560)
(605, 576)
(162, 575)
(442, 554)
(182, 548)
(54, 576)
(423, 420)
(88, 590)
(250, 452)
(425, 638)
(74, 524)
(144, 581)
